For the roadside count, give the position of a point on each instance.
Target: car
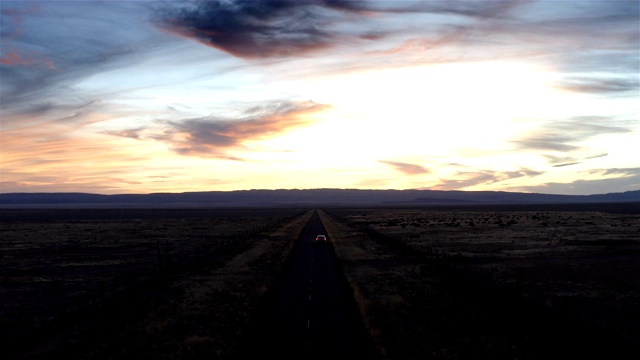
(321, 238)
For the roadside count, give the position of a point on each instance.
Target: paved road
(313, 315)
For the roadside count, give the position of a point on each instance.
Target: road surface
(311, 315)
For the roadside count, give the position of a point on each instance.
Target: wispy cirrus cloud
(407, 168)
(73, 114)
(35, 159)
(562, 161)
(591, 36)
(565, 136)
(621, 172)
(606, 181)
(608, 86)
(465, 179)
(135, 133)
(50, 47)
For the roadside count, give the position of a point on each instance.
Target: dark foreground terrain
(502, 282)
(491, 282)
(136, 283)
(311, 314)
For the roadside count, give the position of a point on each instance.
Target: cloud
(284, 28)
(562, 161)
(47, 50)
(567, 164)
(603, 86)
(621, 172)
(592, 34)
(36, 159)
(73, 114)
(13, 19)
(14, 58)
(126, 133)
(465, 179)
(249, 29)
(211, 137)
(410, 169)
(565, 136)
(609, 180)
(473, 9)
(591, 37)
(462, 180)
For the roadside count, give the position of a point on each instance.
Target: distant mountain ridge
(311, 197)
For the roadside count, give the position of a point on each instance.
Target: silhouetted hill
(309, 197)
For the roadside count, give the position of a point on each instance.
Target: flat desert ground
(490, 282)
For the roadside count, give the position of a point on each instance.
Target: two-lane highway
(313, 316)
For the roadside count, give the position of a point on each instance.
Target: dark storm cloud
(280, 28)
(564, 135)
(410, 169)
(249, 29)
(210, 137)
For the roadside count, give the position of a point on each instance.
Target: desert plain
(439, 282)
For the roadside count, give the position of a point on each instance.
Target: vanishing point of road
(311, 313)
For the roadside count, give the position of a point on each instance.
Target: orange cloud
(411, 169)
(210, 137)
(13, 58)
(39, 159)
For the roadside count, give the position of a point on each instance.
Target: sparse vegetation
(455, 284)
(532, 283)
(96, 288)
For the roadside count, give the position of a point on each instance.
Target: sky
(116, 97)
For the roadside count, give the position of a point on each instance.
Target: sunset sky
(172, 96)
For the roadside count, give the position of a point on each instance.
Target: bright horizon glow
(414, 95)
